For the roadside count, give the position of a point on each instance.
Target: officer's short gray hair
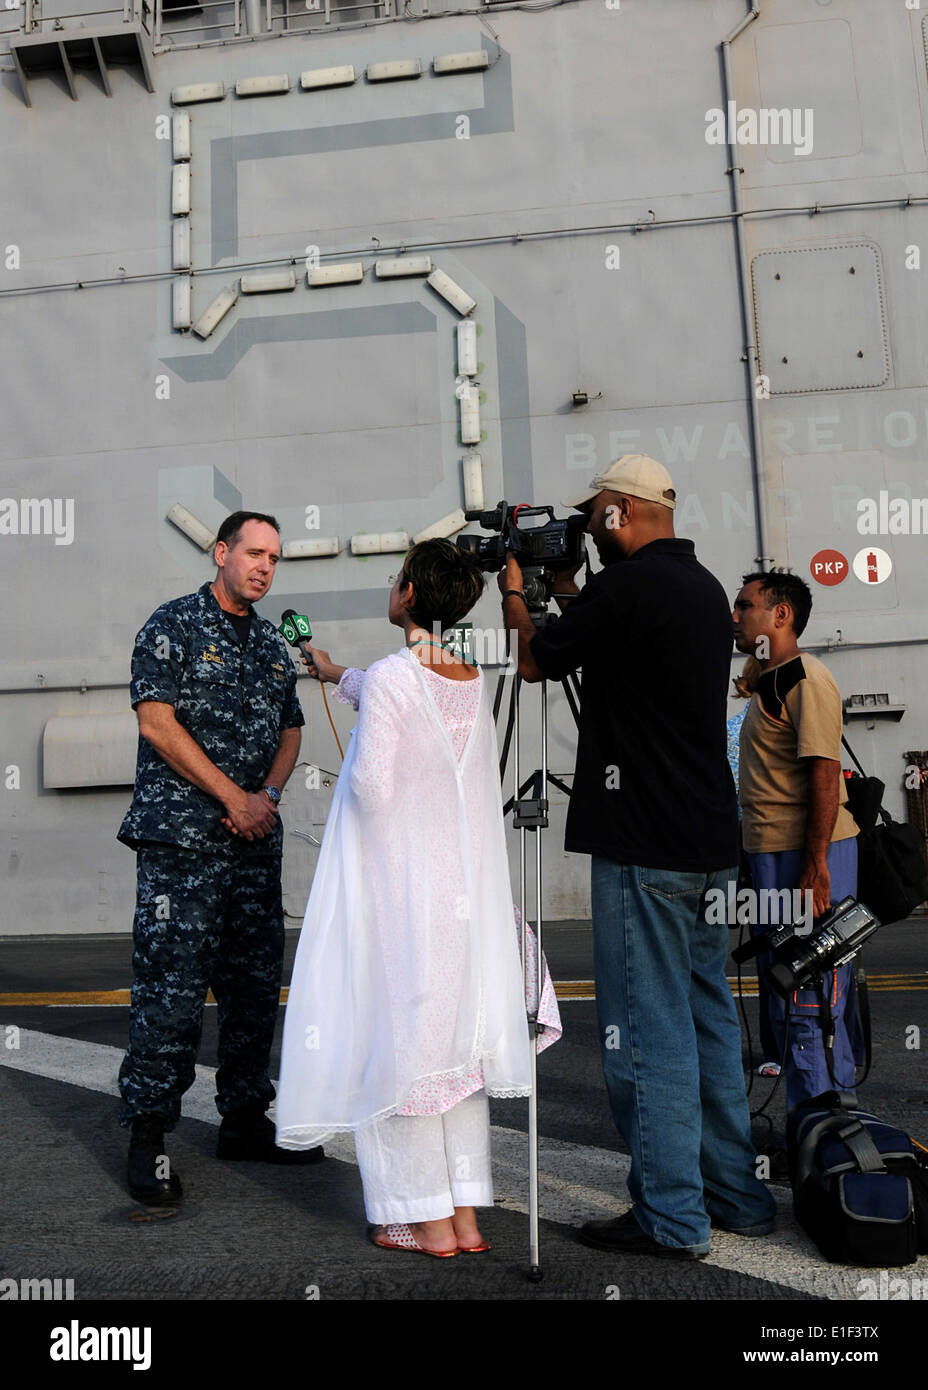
(230, 528)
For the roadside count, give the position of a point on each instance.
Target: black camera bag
(859, 1188)
(892, 878)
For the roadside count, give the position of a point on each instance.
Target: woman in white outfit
(406, 1006)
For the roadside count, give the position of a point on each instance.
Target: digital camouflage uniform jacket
(234, 702)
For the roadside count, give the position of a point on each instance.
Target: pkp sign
(829, 567)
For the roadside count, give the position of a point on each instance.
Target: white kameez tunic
(407, 991)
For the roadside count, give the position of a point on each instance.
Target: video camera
(799, 961)
(541, 551)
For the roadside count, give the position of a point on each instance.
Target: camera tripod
(531, 813)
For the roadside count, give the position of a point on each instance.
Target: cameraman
(653, 803)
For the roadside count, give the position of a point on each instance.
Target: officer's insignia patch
(277, 669)
(213, 655)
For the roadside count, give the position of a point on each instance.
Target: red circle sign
(829, 567)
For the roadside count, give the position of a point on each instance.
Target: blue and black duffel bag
(860, 1187)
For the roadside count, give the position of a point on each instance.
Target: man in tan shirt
(797, 831)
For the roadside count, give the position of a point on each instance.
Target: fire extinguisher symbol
(872, 566)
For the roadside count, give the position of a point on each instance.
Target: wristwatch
(273, 793)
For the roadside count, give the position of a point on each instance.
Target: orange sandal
(398, 1236)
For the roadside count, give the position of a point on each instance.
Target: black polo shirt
(652, 786)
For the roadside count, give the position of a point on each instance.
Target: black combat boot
(249, 1134)
(146, 1160)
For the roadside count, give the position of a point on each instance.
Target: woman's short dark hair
(447, 582)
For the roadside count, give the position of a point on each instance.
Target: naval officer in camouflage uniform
(219, 723)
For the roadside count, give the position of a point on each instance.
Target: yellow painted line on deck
(574, 989)
(564, 989)
(585, 989)
(100, 997)
(877, 983)
(83, 999)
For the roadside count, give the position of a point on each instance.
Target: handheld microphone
(295, 629)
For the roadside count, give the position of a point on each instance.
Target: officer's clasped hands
(252, 816)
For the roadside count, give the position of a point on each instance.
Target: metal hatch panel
(821, 318)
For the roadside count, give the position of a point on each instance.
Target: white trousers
(420, 1167)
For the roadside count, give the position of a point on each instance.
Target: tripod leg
(512, 728)
(541, 790)
(534, 1271)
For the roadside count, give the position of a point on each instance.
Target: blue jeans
(807, 1070)
(671, 1049)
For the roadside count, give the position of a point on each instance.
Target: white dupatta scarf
(408, 966)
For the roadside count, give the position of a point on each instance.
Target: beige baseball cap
(635, 475)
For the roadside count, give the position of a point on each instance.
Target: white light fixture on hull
(345, 273)
(310, 550)
(470, 415)
(180, 302)
(315, 78)
(216, 312)
(461, 62)
(262, 86)
(180, 190)
(180, 136)
(444, 285)
(454, 521)
(384, 543)
(394, 70)
(198, 91)
(472, 468)
(192, 526)
(268, 281)
(467, 348)
(403, 265)
(180, 244)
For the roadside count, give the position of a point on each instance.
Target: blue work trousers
(807, 1066)
(202, 921)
